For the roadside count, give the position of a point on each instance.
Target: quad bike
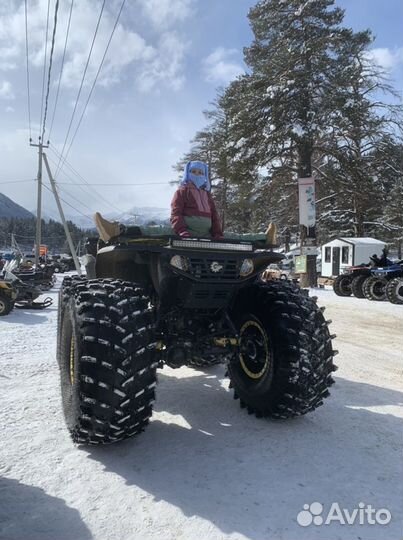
(185, 302)
(8, 295)
(353, 279)
(376, 285)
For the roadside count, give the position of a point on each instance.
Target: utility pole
(38, 235)
(66, 229)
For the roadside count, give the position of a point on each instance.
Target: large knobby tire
(375, 288)
(107, 361)
(285, 364)
(342, 285)
(357, 286)
(65, 292)
(6, 305)
(394, 290)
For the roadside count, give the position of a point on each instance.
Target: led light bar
(198, 244)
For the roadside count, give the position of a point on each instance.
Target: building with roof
(340, 253)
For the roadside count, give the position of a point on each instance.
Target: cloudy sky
(166, 59)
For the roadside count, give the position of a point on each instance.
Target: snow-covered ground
(204, 469)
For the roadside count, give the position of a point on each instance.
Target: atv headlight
(246, 267)
(179, 262)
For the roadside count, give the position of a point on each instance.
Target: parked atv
(164, 300)
(375, 286)
(8, 295)
(354, 277)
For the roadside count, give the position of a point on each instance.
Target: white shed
(343, 252)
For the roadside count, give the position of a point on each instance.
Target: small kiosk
(343, 252)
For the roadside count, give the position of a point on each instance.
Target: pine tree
(292, 61)
(311, 102)
(358, 129)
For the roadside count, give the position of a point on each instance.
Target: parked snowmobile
(42, 278)
(27, 293)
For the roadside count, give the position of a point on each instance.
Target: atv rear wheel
(374, 288)
(6, 305)
(285, 364)
(342, 285)
(394, 290)
(107, 361)
(356, 286)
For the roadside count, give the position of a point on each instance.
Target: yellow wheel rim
(260, 346)
(71, 363)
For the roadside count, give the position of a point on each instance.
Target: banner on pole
(306, 197)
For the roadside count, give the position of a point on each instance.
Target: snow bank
(204, 468)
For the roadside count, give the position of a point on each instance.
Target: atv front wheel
(285, 362)
(107, 361)
(342, 285)
(356, 286)
(374, 288)
(394, 291)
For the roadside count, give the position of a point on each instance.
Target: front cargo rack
(208, 244)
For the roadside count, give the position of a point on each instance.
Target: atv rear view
(163, 300)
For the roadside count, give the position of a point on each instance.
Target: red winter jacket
(190, 201)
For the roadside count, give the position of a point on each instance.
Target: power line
(44, 65)
(81, 85)
(50, 67)
(33, 237)
(92, 190)
(96, 78)
(120, 184)
(63, 190)
(68, 204)
(17, 181)
(26, 52)
(61, 69)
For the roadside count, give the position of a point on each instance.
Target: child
(193, 212)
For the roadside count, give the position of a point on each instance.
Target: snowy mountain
(10, 209)
(141, 215)
(135, 215)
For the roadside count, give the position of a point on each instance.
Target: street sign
(306, 195)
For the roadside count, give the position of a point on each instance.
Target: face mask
(201, 181)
